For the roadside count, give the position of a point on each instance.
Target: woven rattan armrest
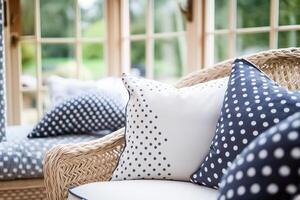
(70, 165)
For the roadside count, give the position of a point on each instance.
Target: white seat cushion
(142, 189)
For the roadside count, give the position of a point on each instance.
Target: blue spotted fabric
(21, 157)
(252, 104)
(269, 167)
(87, 113)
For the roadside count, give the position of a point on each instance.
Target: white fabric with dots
(168, 130)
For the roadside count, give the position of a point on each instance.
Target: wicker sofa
(71, 165)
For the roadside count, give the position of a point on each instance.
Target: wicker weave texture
(23, 189)
(71, 165)
(24, 194)
(81, 163)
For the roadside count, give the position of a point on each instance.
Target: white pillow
(168, 130)
(61, 89)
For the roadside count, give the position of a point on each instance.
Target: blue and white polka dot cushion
(269, 167)
(88, 113)
(21, 157)
(252, 104)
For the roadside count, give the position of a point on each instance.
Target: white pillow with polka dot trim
(252, 104)
(268, 168)
(168, 130)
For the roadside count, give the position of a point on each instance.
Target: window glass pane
(27, 17)
(92, 18)
(251, 43)
(253, 13)
(221, 14)
(58, 59)
(289, 12)
(57, 18)
(288, 39)
(138, 58)
(93, 65)
(28, 62)
(167, 16)
(169, 58)
(221, 48)
(137, 16)
(46, 102)
(29, 112)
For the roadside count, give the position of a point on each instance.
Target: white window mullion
(232, 28)
(38, 58)
(103, 41)
(113, 37)
(125, 36)
(77, 39)
(209, 33)
(149, 40)
(288, 28)
(13, 71)
(274, 24)
(106, 49)
(194, 42)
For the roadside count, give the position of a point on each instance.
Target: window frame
(232, 31)
(116, 44)
(14, 108)
(150, 36)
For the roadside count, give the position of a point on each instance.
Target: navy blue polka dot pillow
(269, 167)
(252, 104)
(88, 113)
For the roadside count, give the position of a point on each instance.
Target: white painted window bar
(38, 40)
(232, 30)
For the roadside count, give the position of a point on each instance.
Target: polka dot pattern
(22, 158)
(2, 79)
(160, 138)
(252, 104)
(275, 176)
(88, 113)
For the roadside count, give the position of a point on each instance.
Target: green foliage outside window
(57, 20)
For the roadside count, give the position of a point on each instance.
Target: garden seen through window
(71, 39)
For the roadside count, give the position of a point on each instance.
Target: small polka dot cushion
(252, 104)
(269, 167)
(168, 130)
(87, 113)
